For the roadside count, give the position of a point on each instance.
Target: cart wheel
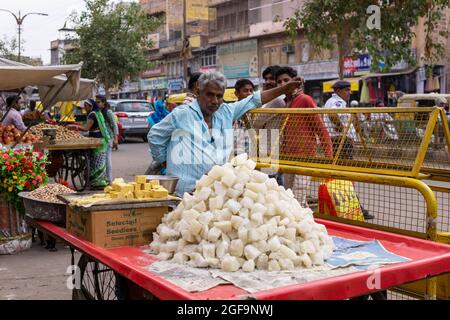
(98, 282)
(79, 170)
(63, 171)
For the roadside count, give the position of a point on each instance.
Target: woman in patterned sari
(96, 125)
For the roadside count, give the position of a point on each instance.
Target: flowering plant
(21, 170)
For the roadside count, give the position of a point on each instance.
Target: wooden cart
(122, 273)
(70, 161)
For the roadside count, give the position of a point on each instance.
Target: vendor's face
(101, 103)
(211, 98)
(18, 104)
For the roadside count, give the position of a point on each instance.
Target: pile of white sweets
(239, 218)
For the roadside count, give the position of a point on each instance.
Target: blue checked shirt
(189, 147)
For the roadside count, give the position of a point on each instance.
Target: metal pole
(19, 21)
(184, 46)
(19, 26)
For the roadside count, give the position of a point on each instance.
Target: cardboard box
(109, 229)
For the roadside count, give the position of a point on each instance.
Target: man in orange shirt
(301, 133)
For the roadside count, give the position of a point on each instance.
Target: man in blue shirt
(197, 136)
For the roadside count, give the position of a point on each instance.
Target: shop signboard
(129, 87)
(159, 70)
(238, 59)
(197, 10)
(175, 84)
(154, 83)
(318, 70)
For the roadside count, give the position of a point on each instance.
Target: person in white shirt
(337, 123)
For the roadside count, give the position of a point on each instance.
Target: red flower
(39, 178)
(8, 163)
(27, 184)
(6, 156)
(23, 160)
(34, 182)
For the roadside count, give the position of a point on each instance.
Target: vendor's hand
(72, 127)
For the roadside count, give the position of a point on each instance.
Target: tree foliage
(111, 41)
(345, 24)
(8, 48)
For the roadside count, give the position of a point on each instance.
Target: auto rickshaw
(414, 124)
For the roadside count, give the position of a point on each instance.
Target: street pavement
(40, 274)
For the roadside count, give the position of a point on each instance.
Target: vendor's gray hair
(212, 77)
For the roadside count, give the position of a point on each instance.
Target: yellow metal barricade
(397, 159)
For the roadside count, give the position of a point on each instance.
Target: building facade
(241, 38)
(166, 76)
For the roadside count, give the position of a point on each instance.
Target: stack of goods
(10, 135)
(62, 134)
(238, 218)
(49, 192)
(140, 189)
(121, 190)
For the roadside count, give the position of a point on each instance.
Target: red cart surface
(427, 259)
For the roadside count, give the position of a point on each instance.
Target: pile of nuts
(50, 192)
(62, 134)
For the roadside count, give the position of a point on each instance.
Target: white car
(132, 115)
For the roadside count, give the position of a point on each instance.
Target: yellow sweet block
(160, 193)
(118, 180)
(114, 195)
(147, 186)
(116, 186)
(125, 187)
(140, 179)
(147, 194)
(138, 187)
(108, 189)
(139, 194)
(129, 195)
(154, 183)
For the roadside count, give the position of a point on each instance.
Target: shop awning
(55, 83)
(354, 82)
(388, 74)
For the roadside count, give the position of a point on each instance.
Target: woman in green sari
(97, 127)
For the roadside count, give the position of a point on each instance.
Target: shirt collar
(196, 107)
(336, 96)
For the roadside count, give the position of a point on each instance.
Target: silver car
(132, 115)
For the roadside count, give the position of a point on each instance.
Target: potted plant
(20, 170)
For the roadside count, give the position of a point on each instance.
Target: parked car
(132, 115)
